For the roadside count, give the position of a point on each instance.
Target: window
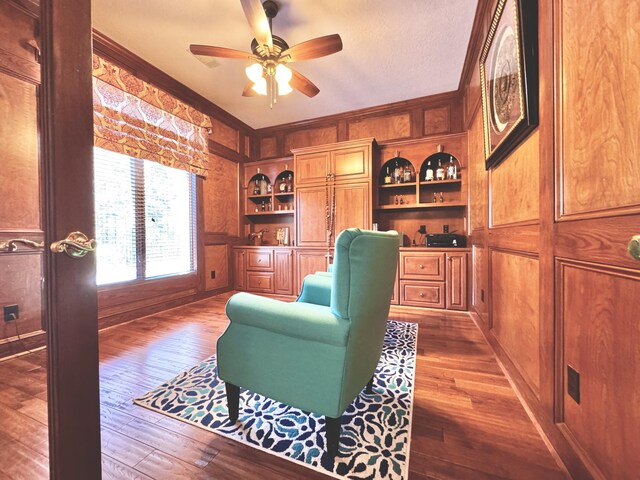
(145, 218)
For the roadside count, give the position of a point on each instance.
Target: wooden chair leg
(369, 388)
(333, 435)
(233, 401)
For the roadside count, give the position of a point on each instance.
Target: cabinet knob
(634, 247)
(259, 260)
(421, 266)
(259, 282)
(421, 294)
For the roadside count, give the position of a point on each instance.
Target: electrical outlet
(445, 229)
(11, 312)
(213, 274)
(573, 384)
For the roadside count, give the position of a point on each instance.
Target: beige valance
(135, 118)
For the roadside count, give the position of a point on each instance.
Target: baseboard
(17, 345)
(567, 457)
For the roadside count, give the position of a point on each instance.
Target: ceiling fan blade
(249, 91)
(316, 48)
(258, 21)
(222, 52)
(303, 84)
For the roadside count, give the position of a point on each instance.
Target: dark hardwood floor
(467, 421)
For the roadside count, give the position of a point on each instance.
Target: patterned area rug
(376, 428)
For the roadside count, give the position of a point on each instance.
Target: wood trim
(200, 240)
(17, 67)
(226, 152)
(108, 48)
(67, 146)
(476, 40)
(22, 344)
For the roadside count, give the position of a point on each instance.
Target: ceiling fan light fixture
(260, 87)
(284, 88)
(283, 74)
(255, 73)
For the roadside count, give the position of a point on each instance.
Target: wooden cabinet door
(311, 168)
(283, 281)
(308, 262)
(260, 259)
(456, 281)
(239, 280)
(422, 266)
(310, 216)
(353, 206)
(350, 163)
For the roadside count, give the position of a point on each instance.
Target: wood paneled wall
(20, 201)
(411, 119)
(549, 227)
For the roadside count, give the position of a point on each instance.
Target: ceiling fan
(271, 54)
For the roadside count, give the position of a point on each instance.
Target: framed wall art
(509, 78)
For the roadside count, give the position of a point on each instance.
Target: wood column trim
(67, 144)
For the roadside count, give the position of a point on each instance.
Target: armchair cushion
(316, 289)
(294, 319)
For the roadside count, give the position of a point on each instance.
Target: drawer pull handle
(421, 294)
(421, 266)
(259, 260)
(259, 282)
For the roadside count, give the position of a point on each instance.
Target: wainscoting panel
(600, 331)
(598, 122)
(310, 138)
(437, 120)
(515, 311)
(386, 127)
(515, 186)
(216, 259)
(225, 135)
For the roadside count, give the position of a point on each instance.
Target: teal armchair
(319, 352)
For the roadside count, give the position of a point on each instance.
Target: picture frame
(509, 78)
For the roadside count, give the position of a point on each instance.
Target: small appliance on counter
(446, 240)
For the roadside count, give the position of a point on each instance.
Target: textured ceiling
(393, 50)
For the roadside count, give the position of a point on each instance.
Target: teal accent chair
(316, 353)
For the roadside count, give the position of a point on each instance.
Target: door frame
(71, 298)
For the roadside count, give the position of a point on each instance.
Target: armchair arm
(296, 319)
(316, 289)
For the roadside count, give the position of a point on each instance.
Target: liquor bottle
(434, 199)
(440, 171)
(428, 177)
(396, 173)
(395, 200)
(262, 207)
(256, 189)
(401, 200)
(283, 185)
(452, 171)
(407, 174)
(269, 190)
(263, 186)
(441, 198)
(387, 177)
(289, 183)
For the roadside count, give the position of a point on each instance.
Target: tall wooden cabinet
(339, 173)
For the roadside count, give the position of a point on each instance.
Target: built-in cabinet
(334, 190)
(433, 279)
(339, 179)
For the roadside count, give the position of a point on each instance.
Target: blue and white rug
(376, 428)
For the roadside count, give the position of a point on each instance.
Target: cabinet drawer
(260, 282)
(260, 260)
(422, 266)
(422, 294)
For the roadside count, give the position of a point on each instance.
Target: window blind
(145, 218)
